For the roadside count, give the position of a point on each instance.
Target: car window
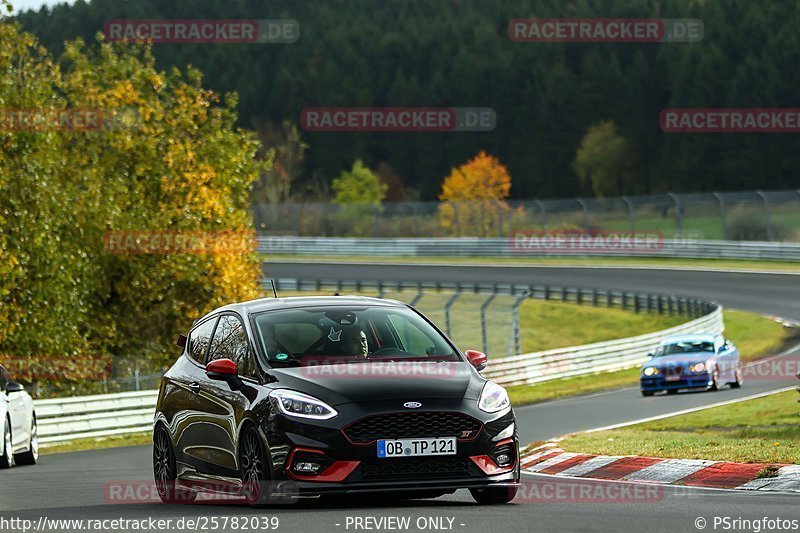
(413, 340)
(682, 347)
(349, 334)
(230, 341)
(199, 339)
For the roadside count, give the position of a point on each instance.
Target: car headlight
(650, 371)
(697, 367)
(295, 403)
(493, 398)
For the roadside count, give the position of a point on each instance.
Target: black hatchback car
(309, 396)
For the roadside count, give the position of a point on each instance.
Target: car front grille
(417, 468)
(412, 425)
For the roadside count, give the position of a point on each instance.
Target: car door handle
(194, 387)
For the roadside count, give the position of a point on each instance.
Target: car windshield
(684, 347)
(340, 334)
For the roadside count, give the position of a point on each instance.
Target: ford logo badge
(412, 405)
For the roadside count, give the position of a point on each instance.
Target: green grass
(734, 264)
(134, 439)
(764, 430)
(754, 335)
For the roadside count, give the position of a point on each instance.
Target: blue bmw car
(701, 361)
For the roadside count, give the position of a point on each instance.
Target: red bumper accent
(336, 472)
(488, 466)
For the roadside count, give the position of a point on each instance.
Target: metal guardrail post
(585, 209)
(381, 291)
(722, 215)
(678, 212)
(447, 308)
(542, 212)
(631, 215)
(499, 218)
(767, 217)
(515, 344)
(485, 305)
(415, 214)
(418, 297)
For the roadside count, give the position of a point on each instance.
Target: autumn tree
(359, 193)
(473, 196)
(604, 161)
(173, 161)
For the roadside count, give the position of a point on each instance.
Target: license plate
(674, 377)
(416, 447)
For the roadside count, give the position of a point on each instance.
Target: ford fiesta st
(20, 444)
(330, 395)
(703, 361)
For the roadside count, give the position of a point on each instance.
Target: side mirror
(651, 354)
(476, 359)
(14, 387)
(221, 369)
(181, 342)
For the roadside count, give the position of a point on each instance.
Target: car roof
(293, 302)
(696, 337)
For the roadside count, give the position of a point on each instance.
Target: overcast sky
(22, 5)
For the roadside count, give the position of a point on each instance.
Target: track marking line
(690, 410)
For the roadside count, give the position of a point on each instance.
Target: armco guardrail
(686, 248)
(591, 358)
(65, 419)
(102, 415)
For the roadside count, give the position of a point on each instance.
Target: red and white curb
(549, 459)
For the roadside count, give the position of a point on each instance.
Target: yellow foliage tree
(473, 196)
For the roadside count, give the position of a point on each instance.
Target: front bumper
(689, 381)
(353, 467)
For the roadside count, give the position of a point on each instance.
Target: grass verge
(134, 439)
(763, 430)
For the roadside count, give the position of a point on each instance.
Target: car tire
(165, 471)
(30, 457)
(739, 378)
(494, 495)
(253, 468)
(7, 459)
(647, 393)
(715, 381)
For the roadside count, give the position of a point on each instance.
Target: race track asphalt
(75, 485)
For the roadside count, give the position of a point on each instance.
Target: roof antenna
(274, 291)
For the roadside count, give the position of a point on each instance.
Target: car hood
(680, 359)
(364, 382)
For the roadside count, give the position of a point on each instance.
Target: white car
(19, 444)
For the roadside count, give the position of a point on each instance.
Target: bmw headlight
(697, 368)
(494, 398)
(295, 403)
(650, 371)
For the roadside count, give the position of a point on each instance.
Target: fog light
(306, 468)
(503, 459)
